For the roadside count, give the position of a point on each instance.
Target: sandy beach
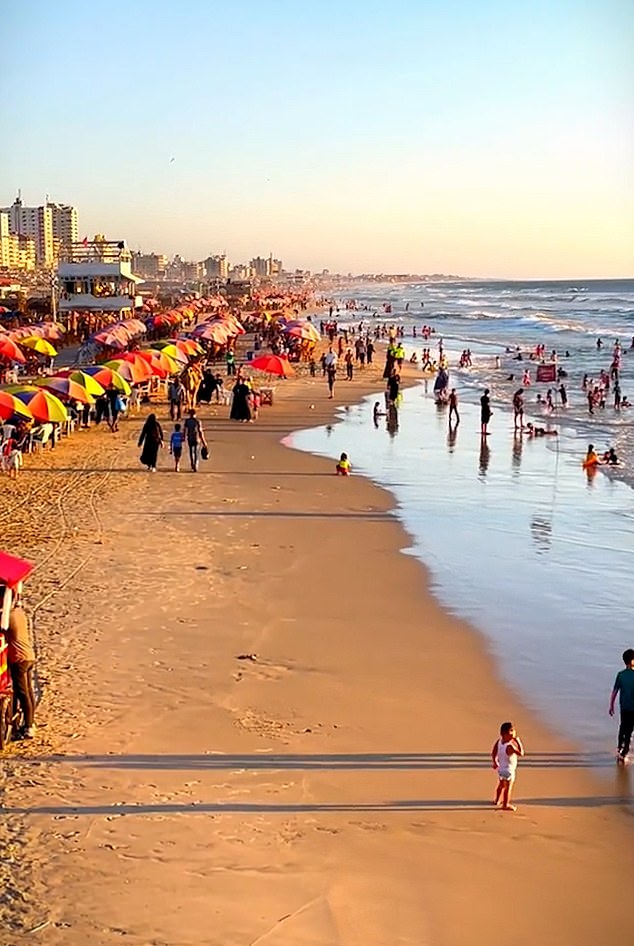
(259, 727)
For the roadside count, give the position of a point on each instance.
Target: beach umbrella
(305, 330)
(38, 344)
(89, 382)
(136, 358)
(44, 406)
(273, 364)
(217, 332)
(105, 377)
(186, 346)
(66, 389)
(133, 373)
(11, 406)
(161, 359)
(10, 351)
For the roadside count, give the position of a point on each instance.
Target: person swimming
(533, 431)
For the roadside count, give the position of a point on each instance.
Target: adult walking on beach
(195, 439)
(485, 413)
(330, 364)
(21, 658)
(151, 440)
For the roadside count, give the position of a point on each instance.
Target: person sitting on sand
(504, 755)
(344, 467)
(533, 431)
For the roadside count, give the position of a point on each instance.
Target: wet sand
(330, 787)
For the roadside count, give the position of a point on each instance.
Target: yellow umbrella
(92, 386)
(40, 345)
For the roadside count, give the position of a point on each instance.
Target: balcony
(87, 301)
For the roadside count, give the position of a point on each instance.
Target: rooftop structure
(96, 276)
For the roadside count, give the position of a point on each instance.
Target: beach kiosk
(95, 278)
(13, 571)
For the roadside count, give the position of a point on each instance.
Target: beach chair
(267, 396)
(40, 436)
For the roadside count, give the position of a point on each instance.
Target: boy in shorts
(504, 755)
(176, 446)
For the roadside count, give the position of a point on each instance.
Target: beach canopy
(11, 406)
(303, 330)
(104, 376)
(38, 344)
(10, 351)
(273, 364)
(94, 387)
(45, 407)
(133, 373)
(161, 360)
(65, 388)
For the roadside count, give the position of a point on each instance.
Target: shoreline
(322, 633)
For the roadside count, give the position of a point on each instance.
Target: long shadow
(441, 804)
(402, 761)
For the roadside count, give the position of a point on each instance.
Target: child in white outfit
(504, 755)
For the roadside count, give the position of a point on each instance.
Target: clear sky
(477, 137)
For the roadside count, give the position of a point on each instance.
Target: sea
(518, 538)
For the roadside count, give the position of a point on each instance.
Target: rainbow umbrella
(11, 406)
(133, 373)
(65, 388)
(161, 359)
(44, 406)
(106, 377)
(179, 347)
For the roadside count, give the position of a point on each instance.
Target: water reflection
(542, 533)
(392, 421)
(452, 436)
(484, 457)
(516, 456)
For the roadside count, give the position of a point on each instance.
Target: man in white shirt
(330, 362)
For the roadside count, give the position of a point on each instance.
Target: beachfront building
(34, 222)
(216, 267)
(65, 224)
(150, 265)
(96, 277)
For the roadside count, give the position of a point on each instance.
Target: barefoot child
(344, 466)
(176, 446)
(504, 755)
(624, 689)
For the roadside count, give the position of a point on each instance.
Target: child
(176, 446)
(344, 466)
(11, 458)
(504, 755)
(624, 686)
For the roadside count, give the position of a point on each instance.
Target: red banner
(546, 373)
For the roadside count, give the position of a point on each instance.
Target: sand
(330, 788)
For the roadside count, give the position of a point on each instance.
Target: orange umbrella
(65, 389)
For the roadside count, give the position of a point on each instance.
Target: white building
(4, 239)
(97, 276)
(35, 222)
(65, 223)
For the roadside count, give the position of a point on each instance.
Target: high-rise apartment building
(149, 265)
(216, 267)
(65, 224)
(4, 239)
(35, 222)
(266, 268)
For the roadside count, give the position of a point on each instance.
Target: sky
(477, 138)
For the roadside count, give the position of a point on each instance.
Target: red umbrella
(66, 389)
(11, 406)
(273, 364)
(10, 351)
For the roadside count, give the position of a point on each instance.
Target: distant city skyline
(487, 140)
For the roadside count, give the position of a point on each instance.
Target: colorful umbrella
(304, 330)
(273, 364)
(65, 388)
(133, 373)
(94, 387)
(106, 377)
(180, 347)
(10, 351)
(11, 406)
(44, 406)
(161, 359)
(38, 344)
